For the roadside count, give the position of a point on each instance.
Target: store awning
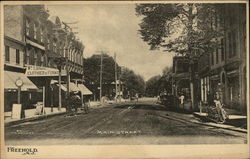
(84, 89)
(11, 77)
(62, 87)
(72, 87)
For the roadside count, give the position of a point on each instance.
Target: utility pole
(120, 86)
(101, 79)
(60, 94)
(115, 79)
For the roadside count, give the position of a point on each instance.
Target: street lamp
(60, 61)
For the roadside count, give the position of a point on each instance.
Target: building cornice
(14, 40)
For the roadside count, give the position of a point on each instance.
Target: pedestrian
(136, 97)
(182, 97)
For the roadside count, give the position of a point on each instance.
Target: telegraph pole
(60, 94)
(115, 79)
(101, 79)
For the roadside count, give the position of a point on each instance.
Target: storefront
(28, 90)
(42, 77)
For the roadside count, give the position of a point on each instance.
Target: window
(54, 46)
(27, 27)
(42, 60)
(7, 53)
(42, 32)
(230, 45)
(17, 56)
(27, 57)
(35, 31)
(222, 50)
(212, 58)
(35, 59)
(217, 55)
(234, 43)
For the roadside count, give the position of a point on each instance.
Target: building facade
(224, 70)
(33, 40)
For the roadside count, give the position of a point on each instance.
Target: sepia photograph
(124, 73)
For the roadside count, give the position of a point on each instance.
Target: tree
(92, 69)
(186, 29)
(134, 83)
(152, 86)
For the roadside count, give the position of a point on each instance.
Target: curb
(222, 126)
(10, 123)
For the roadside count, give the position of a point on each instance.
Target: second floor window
(42, 60)
(27, 27)
(222, 50)
(42, 34)
(7, 53)
(217, 55)
(35, 59)
(232, 44)
(212, 58)
(27, 58)
(35, 31)
(17, 56)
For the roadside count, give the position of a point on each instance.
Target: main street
(144, 122)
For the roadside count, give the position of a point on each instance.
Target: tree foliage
(187, 29)
(152, 86)
(92, 67)
(134, 83)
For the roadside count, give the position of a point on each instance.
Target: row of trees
(188, 29)
(133, 82)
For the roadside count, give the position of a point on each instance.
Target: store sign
(36, 71)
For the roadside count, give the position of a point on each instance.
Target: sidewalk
(235, 122)
(30, 116)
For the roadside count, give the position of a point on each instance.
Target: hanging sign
(36, 71)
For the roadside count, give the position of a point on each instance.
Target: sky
(113, 28)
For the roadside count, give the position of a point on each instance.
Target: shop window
(7, 53)
(17, 56)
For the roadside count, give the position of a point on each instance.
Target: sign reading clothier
(37, 71)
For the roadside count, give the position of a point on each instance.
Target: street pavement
(143, 122)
